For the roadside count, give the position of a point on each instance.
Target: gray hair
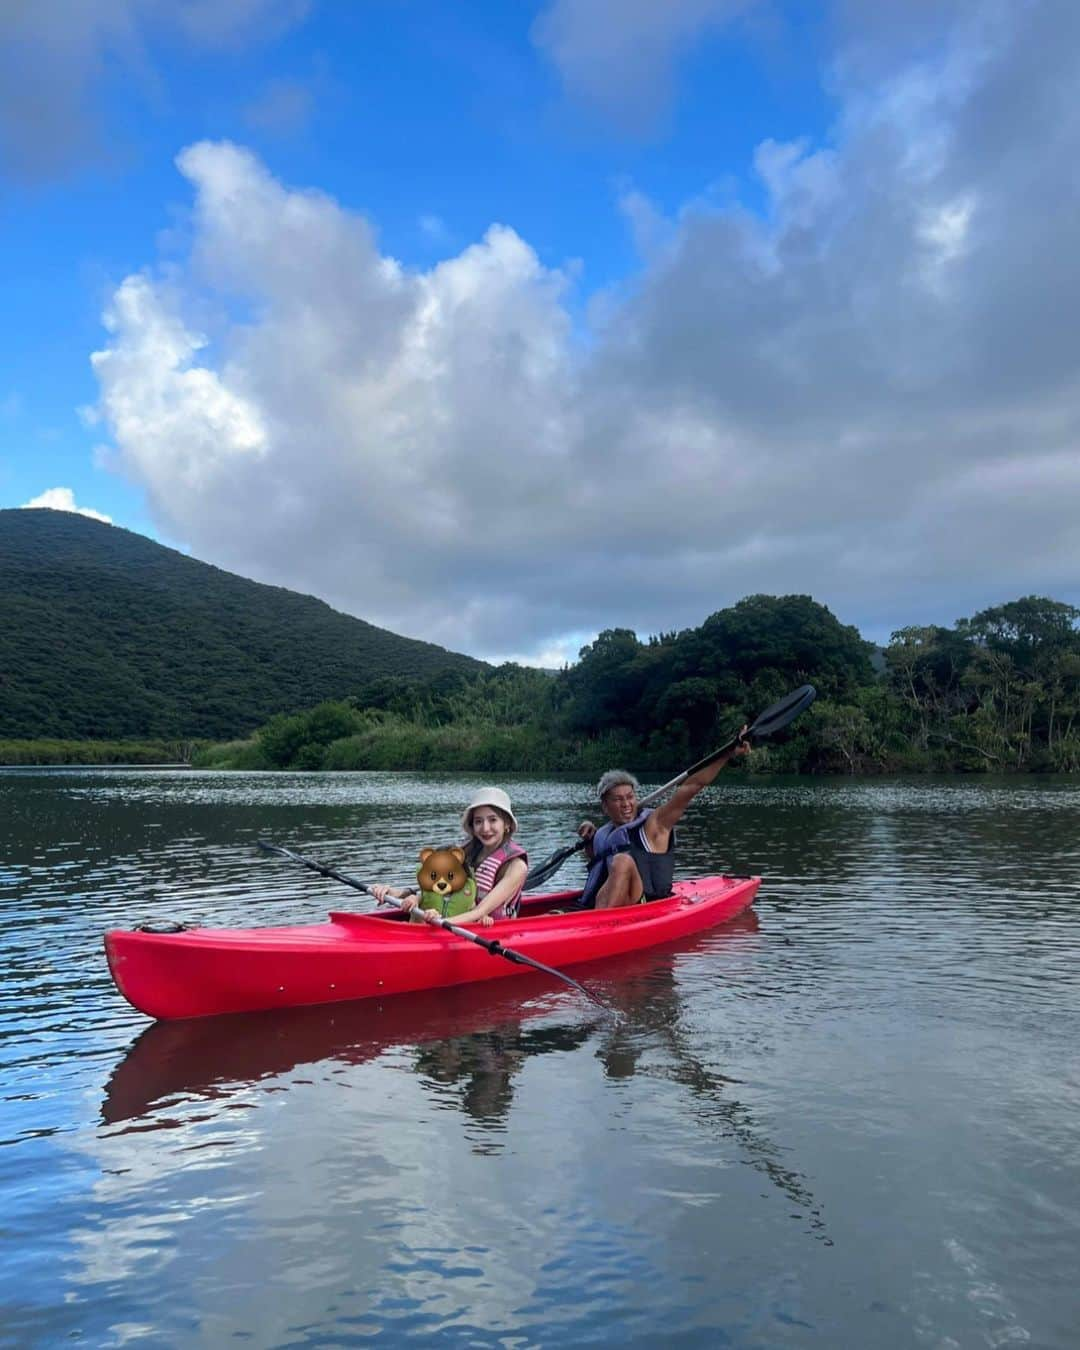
(616, 778)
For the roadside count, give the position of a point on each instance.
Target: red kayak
(201, 972)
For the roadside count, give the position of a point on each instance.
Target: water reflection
(466, 1047)
(890, 1043)
(211, 1059)
(653, 1002)
(480, 1068)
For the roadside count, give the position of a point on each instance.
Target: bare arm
(511, 880)
(659, 825)
(384, 893)
(586, 830)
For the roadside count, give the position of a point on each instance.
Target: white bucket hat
(489, 796)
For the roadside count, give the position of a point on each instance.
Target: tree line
(999, 691)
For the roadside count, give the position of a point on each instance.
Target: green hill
(106, 634)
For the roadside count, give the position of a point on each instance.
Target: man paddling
(632, 857)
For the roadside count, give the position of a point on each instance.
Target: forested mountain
(106, 634)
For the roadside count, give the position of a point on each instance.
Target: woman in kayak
(497, 862)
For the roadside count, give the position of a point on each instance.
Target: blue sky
(501, 324)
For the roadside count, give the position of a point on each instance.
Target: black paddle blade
(268, 847)
(782, 712)
(321, 868)
(544, 871)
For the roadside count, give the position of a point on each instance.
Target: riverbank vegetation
(996, 692)
(49, 752)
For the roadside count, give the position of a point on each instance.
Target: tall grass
(46, 752)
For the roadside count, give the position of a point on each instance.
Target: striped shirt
(487, 874)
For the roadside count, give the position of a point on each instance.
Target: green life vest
(458, 902)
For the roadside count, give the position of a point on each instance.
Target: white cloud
(63, 499)
(842, 395)
(366, 421)
(167, 413)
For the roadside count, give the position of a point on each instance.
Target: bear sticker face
(442, 870)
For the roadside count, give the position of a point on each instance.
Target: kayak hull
(203, 972)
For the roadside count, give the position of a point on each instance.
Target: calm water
(849, 1119)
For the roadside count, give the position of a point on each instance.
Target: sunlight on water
(850, 1117)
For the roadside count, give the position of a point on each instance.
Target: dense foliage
(998, 691)
(106, 635)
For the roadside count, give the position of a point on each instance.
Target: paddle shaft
(774, 718)
(495, 948)
(492, 946)
(319, 867)
(548, 869)
(657, 793)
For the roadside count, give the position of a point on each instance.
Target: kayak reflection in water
(201, 1064)
(482, 1066)
(497, 862)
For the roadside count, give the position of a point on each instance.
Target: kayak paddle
(491, 945)
(773, 719)
(495, 947)
(319, 867)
